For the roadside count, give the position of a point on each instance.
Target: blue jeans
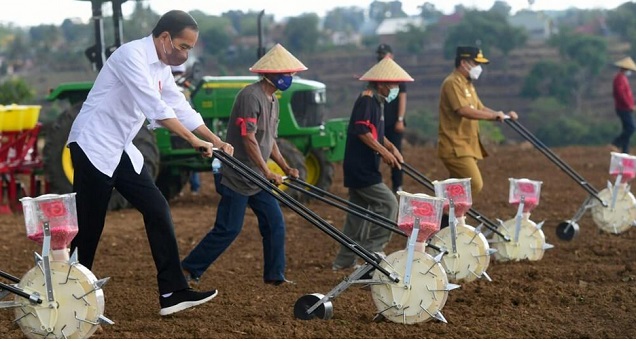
(195, 181)
(229, 222)
(622, 140)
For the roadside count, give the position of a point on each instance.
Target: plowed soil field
(584, 288)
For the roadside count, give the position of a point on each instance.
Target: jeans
(195, 181)
(229, 222)
(622, 140)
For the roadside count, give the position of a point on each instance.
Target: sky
(37, 12)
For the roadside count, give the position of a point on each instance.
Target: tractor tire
(294, 159)
(319, 169)
(171, 181)
(58, 166)
(170, 184)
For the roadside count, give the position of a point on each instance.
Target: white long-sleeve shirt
(134, 85)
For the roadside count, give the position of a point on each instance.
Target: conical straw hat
(278, 60)
(626, 63)
(386, 70)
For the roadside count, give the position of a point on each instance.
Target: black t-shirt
(361, 164)
(391, 109)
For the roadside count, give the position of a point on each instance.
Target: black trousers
(396, 139)
(94, 189)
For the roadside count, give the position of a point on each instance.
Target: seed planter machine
(512, 240)
(407, 286)
(613, 209)
(468, 250)
(59, 297)
(527, 240)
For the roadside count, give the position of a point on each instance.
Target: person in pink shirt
(624, 103)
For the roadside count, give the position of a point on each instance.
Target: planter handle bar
(9, 277)
(426, 182)
(33, 298)
(354, 209)
(357, 212)
(525, 133)
(321, 191)
(303, 211)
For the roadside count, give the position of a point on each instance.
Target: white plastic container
(424, 207)
(59, 211)
(530, 190)
(459, 191)
(623, 164)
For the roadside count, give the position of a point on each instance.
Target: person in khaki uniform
(460, 110)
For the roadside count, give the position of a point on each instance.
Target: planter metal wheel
(56, 299)
(468, 252)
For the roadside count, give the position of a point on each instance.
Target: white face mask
(475, 72)
(628, 73)
(393, 93)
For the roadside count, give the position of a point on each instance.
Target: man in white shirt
(136, 84)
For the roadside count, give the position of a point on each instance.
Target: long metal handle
(303, 211)
(337, 198)
(35, 298)
(356, 210)
(9, 277)
(525, 133)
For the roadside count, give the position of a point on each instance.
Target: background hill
(553, 68)
(498, 88)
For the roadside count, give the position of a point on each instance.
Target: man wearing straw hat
(252, 130)
(364, 149)
(394, 118)
(460, 111)
(623, 103)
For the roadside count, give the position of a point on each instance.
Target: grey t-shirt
(252, 112)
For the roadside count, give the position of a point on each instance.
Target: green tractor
(307, 142)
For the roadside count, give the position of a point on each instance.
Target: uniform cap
(278, 60)
(472, 53)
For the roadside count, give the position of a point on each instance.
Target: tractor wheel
(171, 183)
(319, 169)
(171, 180)
(58, 166)
(295, 159)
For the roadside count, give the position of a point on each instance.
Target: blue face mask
(393, 93)
(282, 82)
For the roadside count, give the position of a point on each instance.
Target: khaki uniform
(458, 143)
